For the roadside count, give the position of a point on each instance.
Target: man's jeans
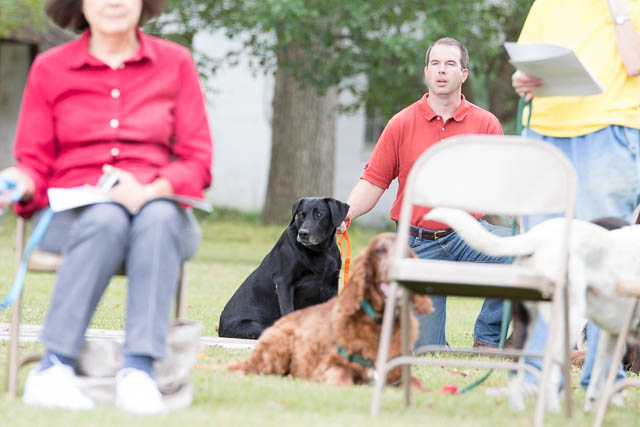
(608, 168)
(453, 248)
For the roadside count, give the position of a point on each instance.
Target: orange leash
(347, 258)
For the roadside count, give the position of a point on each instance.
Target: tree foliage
(15, 14)
(371, 48)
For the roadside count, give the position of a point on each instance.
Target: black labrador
(302, 269)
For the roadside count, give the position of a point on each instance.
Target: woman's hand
(525, 84)
(128, 191)
(24, 186)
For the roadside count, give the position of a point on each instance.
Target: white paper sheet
(193, 202)
(62, 199)
(560, 69)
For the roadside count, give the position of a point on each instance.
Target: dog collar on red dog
(355, 358)
(370, 311)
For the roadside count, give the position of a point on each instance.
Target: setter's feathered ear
(352, 294)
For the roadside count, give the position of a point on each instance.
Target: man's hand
(344, 225)
(525, 84)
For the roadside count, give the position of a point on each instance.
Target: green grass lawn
(232, 247)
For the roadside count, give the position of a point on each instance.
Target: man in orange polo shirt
(441, 113)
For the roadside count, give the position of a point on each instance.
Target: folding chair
(629, 287)
(494, 175)
(49, 262)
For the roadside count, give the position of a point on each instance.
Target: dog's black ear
(338, 211)
(294, 209)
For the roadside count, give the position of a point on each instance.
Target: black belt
(423, 234)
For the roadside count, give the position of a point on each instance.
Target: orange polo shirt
(408, 134)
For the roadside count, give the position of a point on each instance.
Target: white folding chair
(629, 287)
(49, 262)
(491, 174)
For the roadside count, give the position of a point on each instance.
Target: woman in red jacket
(121, 101)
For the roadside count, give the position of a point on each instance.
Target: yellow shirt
(586, 27)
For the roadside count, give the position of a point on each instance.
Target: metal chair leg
(383, 348)
(14, 357)
(566, 366)
(13, 364)
(181, 296)
(404, 328)
(547, 361)
(615, 362)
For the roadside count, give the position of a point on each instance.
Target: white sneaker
(55, 387)
(138, 393)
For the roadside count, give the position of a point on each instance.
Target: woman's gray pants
(96, 241)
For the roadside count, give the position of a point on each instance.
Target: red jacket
(147, 117)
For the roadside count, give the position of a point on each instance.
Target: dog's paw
(213, 366)
(618, 399)
(590, 404)
(236, 366)
(518, 391)
(516, 397)
(553, 404)
(416, 384)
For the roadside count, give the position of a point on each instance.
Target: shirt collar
(458, 116)
(81, 56)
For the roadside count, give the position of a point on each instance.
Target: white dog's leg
(518, 388)
(603, 355)
(516, 391)
(552, 393)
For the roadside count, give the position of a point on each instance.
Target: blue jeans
(608, 169)
(453, 248)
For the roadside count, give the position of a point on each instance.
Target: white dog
(598, 257)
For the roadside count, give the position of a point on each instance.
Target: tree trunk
(303, 143)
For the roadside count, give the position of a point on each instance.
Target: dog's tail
(478, 237)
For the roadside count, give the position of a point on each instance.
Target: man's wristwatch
(621, 19)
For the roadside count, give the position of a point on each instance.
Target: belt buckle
(435, 234)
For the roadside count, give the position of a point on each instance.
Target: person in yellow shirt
(599, 133)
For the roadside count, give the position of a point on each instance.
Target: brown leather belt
(423, 234)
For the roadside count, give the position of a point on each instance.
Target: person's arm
(190, 172)
(35, 146)
(627, 38)
(362, 199)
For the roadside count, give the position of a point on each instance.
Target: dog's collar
(355, 358)
(370, 311)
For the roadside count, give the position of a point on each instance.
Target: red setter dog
(336, 342)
